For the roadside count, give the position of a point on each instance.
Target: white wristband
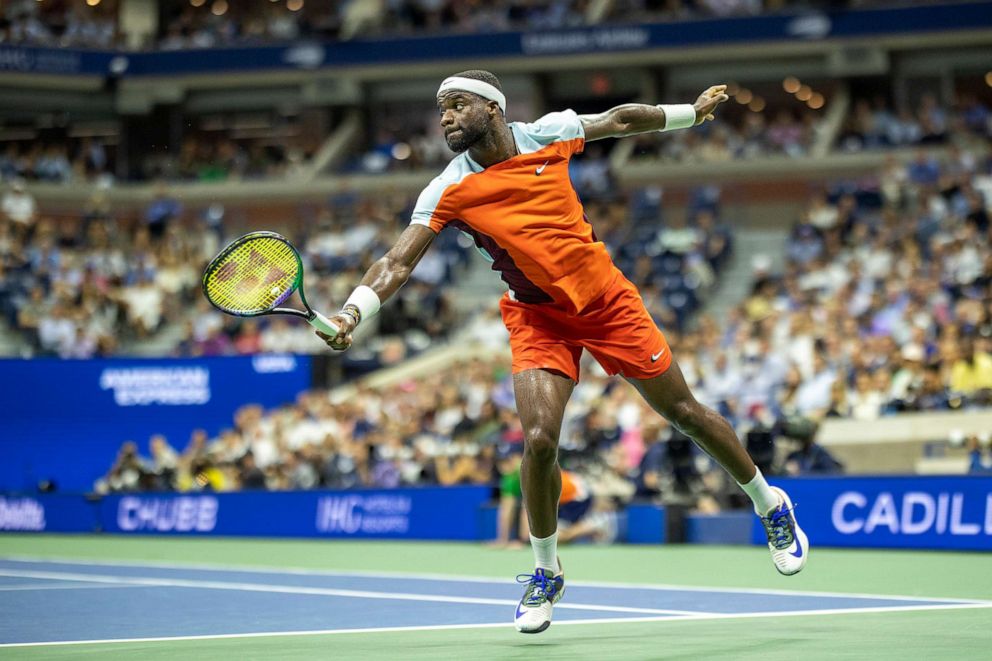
(681, 116)
(366, 300)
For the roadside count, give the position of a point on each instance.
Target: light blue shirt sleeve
(423, 211)
(555, 127)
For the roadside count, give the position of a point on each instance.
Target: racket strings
(254, 277)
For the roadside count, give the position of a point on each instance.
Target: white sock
(546, 552)
(764, 499)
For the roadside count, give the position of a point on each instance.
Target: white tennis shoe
(786, 540)
(543, 591)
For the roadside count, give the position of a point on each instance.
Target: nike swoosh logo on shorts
(655, 357)
(539, 170)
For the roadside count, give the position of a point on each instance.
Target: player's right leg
(541, 397)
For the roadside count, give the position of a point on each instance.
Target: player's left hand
(708, 101)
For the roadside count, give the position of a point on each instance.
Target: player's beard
(468, 137)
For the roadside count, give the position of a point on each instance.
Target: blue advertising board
(804, 25)
(64, 420)
(920, 512)
(50, 512)
(451, 513)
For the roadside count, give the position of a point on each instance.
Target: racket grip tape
(323, 324)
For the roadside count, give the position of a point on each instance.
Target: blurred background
(819, 258)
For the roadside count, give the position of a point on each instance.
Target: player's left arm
(634, 118)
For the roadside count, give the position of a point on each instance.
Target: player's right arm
(384, 277)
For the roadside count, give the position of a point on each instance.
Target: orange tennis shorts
(615, 328)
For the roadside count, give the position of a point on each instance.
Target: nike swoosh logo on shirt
(539, 170)
(655, 357)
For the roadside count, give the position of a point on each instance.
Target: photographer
(810, 458)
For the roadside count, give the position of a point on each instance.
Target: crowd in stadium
(412, 142)
(57, 161)
(59, 23)
(216, 23)
(752, 135)
(885, 305)
(876, 124)
(455, 426)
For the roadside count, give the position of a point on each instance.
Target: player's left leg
(541, 397)
(669, 395)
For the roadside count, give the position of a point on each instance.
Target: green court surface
(962, 631)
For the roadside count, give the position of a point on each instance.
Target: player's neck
(495, 148)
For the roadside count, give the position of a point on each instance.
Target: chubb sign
(167, 514)
(894, 512)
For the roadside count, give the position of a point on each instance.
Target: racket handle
(323, 324)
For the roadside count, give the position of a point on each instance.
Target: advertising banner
(47, 513)
(919, 512)
(64, 420)
(451, 513)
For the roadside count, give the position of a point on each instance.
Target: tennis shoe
(786, 540)
(543, 592)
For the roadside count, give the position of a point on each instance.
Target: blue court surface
(53, 601)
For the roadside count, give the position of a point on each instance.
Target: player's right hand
(346, 325)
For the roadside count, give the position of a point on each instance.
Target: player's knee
(687, 416)
(540, 445)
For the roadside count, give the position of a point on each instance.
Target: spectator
(980, 454)
(511, 516)
(19, 206)
(126, 474)
(252, 478)
(811, 458)
(161, 211)
(865, 401)
(972, 371)
(652, 477)
(164, 463)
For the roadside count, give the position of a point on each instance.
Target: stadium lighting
(805, 93)
(791, 84)
(294, 5)
(219, 8)
(988, 79)
(92, 3)
(816, 101)
(197, 3)
(401, 151)
(744, 96)
(757, 104)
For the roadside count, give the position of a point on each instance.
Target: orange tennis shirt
(525, 216)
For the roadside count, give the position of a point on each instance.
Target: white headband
(485, 90)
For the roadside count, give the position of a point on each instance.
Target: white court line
(303, 571)
(328, 592)
(31, 587)
(493, 625)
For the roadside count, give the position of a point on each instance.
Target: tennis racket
(255, 274)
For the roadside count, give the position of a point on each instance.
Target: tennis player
(508, 187)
